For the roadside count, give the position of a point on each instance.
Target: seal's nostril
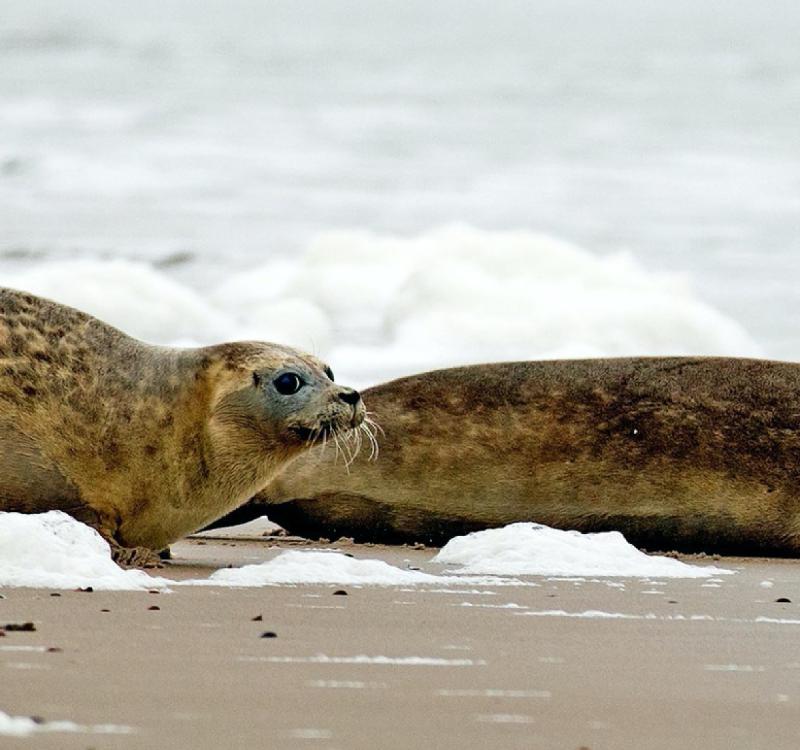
(349, 396)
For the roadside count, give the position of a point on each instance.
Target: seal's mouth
(345, 433)
(330, 428)
(312, 434)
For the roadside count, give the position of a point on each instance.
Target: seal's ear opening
(256, 379)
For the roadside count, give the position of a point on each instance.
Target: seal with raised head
(147, 443)
(677, 453)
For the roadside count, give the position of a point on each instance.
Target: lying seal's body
(677, 453)
(147, 443)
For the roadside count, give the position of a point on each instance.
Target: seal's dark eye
(329, 372)
(288, 383)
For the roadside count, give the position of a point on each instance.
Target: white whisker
(324, 443)
(372, 428)
(350, 457)
(334, 434)
(373, 443)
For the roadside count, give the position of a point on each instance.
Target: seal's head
(273, 402)
(303, 395)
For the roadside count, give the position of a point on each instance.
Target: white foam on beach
(594, 614)
(317, 567)
(534, 549)
(53, 550)
(589, 614)
(381, 306)
(361, 659)
(493, 693)
(24, 726)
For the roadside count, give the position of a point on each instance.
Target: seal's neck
(225, 458)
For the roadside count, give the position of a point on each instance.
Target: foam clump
(24, 726)
(317, 567)
(52, 550)
(382, 306)
(534, 549)
(460, 295)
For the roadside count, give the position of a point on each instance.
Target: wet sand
(694, 663)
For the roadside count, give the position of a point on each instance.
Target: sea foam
(533, 549)
(319, 567)
(25, 726)
(53, 550)
(382, 306)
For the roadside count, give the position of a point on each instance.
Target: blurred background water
(400, 185)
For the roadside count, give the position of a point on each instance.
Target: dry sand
(691, 666)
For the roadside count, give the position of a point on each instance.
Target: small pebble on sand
(19, 627)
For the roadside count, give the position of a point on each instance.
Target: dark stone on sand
(86, 589)
(19, 627)
(258, 618)
(54, 650)
(105, 610)
(154, 607)
(340, 592)
(783, 600)
(269, 634)
(55, 593)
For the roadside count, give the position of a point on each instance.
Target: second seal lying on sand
(146, 443)
(677, 453)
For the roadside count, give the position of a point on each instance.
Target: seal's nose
(350, 396)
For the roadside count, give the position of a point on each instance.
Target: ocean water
(399, 186)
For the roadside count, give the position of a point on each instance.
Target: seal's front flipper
(135, 557)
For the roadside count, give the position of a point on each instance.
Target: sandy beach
(397, 188)
(557, 663)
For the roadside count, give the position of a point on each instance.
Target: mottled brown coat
(685, 453)
(145, 443)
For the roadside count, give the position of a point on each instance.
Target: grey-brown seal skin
(146, 443)
(677, 453)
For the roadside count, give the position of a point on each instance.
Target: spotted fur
(146, 443)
